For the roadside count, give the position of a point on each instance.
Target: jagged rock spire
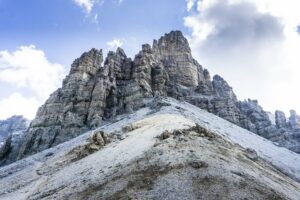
(173, 41)
(294, 119)
(89, 62)
(280, 119)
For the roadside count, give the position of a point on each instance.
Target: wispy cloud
(115, 43)
(95, 19)
(190, 4)
(87, 5)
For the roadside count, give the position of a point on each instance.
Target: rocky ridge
(94, 93)
(11, 137)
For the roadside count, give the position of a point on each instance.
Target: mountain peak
(93, 94)
(222, 88)
(174, 41)
(88, 62)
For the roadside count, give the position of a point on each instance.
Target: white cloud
(27, 69)
(190, 4)
(253, 44)
(87, 5)
(16, 104)
(115, 43)
(96, 21)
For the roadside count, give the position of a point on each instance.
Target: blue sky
(64, 30)
(253, 44)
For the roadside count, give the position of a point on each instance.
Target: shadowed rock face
(12, 124)
(288, 130)
(94, 92)
(280, 119)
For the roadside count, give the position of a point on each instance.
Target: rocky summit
(97, 90)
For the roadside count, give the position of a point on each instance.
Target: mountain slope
(167, 150)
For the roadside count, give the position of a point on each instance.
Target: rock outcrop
(94, 93)
(287, 133)
(294, 120)
(280, 119)
(11, 137)
(12, 124)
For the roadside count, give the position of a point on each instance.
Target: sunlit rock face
(97, 90)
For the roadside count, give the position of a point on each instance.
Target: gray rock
(288, 131)
(198, 164)
(280, 119)
(12, 124)
(222, 88)
(11, 136)
(251, 154)
(165, 135)
(294, 120)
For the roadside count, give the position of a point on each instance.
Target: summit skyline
(252, 44)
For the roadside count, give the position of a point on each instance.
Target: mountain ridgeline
(95, 92)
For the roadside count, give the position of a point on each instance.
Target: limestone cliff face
(95, 92)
